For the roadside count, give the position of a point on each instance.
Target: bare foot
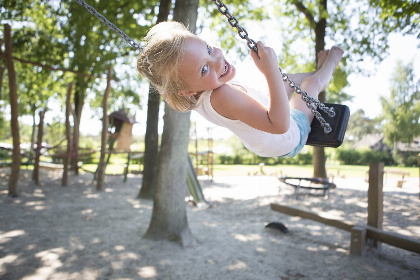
(322, 55)
(328, 66)
(333, 58)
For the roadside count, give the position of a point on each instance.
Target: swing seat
(334, 139)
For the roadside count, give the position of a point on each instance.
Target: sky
(367, 90)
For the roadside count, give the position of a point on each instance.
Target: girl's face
(204, 67)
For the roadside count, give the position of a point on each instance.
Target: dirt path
(74, 232)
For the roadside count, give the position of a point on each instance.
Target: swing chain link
(112, 26)
(235, 23)
(311, 102)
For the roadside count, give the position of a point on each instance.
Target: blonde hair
(160, 60)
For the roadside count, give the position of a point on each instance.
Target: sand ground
(75, 232)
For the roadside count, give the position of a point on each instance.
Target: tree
(360, 125)
(361, 29)
(151, 145)
(13, 96)
(84, 35)
(83, 43)
(35, 85)
(169, 217)
(401, 112)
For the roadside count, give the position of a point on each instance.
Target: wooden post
(358, 241)
(375, 199)
(127, 167)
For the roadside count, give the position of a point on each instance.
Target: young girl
(192, 75)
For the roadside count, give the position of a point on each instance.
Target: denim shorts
(304, 127)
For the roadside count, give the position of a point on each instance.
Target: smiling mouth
(225, 69)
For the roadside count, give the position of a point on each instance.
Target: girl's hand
(266, 59)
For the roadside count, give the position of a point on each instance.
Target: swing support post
(375, 200)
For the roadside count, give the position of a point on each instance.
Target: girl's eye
(204, 70)
(208, 49)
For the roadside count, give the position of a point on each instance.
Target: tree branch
(301, 8)
(54, 68)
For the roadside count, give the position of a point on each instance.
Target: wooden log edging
(318, 217)
(394, 239)
(359, 234)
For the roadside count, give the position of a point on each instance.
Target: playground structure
(121, 126)
(371, 234)
(194, 187)
(204, 160)
(394, 172)
(120, 129)
(319, 184)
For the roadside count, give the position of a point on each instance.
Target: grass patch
(113, 169)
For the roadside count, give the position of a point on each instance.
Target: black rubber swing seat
(317, 136)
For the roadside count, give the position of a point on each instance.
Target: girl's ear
(186, 93)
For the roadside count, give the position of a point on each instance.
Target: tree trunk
(151, 145)
(67, 155)
(14, 122)
(75, 143)
(101, 164)
(1, 75)
(31, 149)
(35, 174)
(79, 97)
(318, 154)
(169, 217)
(1, 69)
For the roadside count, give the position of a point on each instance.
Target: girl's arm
(232, 103)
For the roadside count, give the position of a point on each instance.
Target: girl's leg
(317, 82)
(298, 78)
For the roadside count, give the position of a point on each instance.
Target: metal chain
(91, 10)
(311, 102)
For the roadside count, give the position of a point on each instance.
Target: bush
(304, 158)
(364, 157)
(224, 159)
(5, 154)
(408, 159)
(237, 159)
(89, 158)
(349, 157)
(376, 156)
(411, 161)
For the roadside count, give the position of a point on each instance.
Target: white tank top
(261, 143)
